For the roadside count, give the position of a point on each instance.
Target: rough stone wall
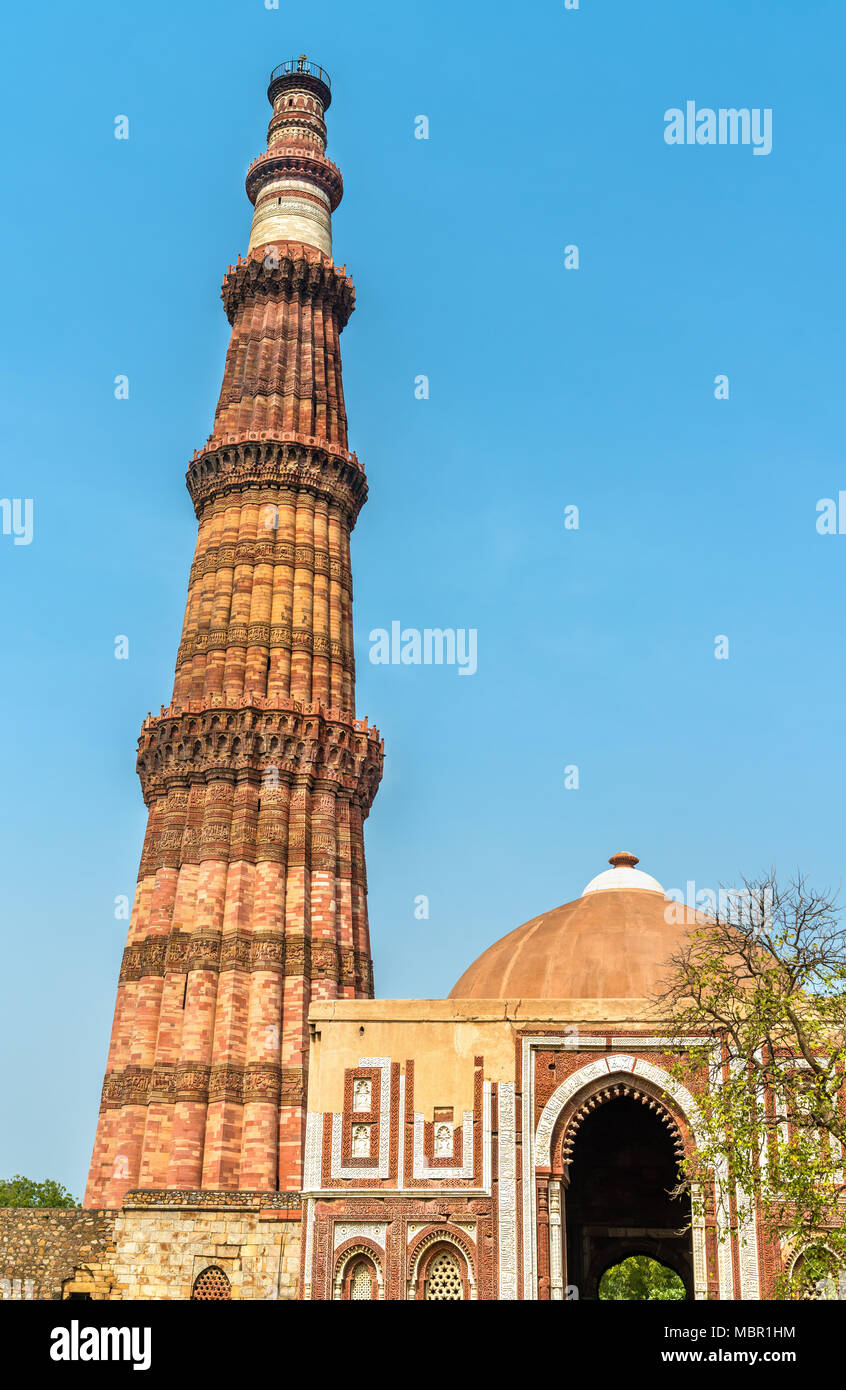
(153, 1250)
(42, 1249)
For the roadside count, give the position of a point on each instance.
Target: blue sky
(548, 388)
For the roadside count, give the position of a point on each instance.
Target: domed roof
(614, 942)
(623, 874)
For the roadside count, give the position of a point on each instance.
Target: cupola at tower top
(300, 72)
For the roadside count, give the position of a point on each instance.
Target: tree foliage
(641, 1278)
(26, 1192)
(762, 983)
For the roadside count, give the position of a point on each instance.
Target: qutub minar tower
(251, 897)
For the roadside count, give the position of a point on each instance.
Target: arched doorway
(621, 1189)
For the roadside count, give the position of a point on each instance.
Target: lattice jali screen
(212, 1284)
(444, 1278)
(362, 1283)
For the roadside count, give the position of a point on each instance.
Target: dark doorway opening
(619, 1200)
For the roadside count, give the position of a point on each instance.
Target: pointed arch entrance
(607, 1150)
(621, 1188)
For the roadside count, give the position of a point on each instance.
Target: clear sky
(549, 388)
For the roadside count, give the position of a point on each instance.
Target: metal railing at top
(295, 65)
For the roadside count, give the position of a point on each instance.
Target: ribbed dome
(605, 945)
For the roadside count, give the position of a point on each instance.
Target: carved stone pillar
(556, 1249)
(543, 1237)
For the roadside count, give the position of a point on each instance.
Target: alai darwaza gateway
(519, 1138)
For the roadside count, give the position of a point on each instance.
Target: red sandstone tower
(251, 897)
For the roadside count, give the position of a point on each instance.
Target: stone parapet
(284, 269)
(296, 463)
(196, 747)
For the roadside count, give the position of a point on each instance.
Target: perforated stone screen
(444, 1281)
(212, 1284)
(361, 1286)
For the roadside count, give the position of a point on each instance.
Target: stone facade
(468, 1115)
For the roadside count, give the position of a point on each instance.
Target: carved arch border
(351, 1250)
(594, 1076)
(598, 1093)
(441, 1233)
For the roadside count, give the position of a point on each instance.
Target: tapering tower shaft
(251, 896)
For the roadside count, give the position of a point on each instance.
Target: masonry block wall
(162, 1243)
(258, 777)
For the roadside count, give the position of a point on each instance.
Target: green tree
(26, 1192)
(763, 981)
(641, 1278)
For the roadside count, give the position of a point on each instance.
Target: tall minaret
(251, 897)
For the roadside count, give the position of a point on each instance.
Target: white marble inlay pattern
(381, 1168)
(422, 1169)
(507, 1191)
(444, 1141)
(362, 1093)
(353, 1230)
(309, 1247)
(313, 1165)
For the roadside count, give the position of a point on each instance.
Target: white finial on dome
(623, 874)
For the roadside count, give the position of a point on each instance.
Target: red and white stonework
(267, 1128)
